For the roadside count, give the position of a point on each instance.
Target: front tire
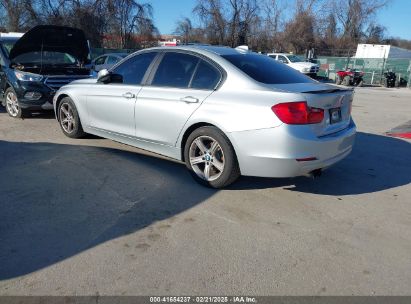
(346, 81)
(12, 104)
(338, 80)
(210, 157)
(69, 119)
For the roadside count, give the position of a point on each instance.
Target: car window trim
(223, 73)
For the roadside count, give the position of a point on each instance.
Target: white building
(381, 51)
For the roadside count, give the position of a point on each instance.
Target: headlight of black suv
(24, 76)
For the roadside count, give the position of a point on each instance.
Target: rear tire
(12, 104)
(69, 119)
(211, 158)
(338, 80)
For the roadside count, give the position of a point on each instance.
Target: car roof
(114, 54)
(204, 49)
(285, 54)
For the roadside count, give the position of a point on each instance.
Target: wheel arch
(58, 101)
(194, 127)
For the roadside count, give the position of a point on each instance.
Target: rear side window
(206, 77)
(282, 59)
(100, 60)
(112, 60)
(175, 70)
(134, 68)
(263, 69)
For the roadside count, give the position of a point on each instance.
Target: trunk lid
(335, 101)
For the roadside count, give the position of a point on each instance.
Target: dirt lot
(90, 216)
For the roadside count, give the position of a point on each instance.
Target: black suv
(35, 66)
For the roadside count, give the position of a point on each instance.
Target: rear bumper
(274, 152)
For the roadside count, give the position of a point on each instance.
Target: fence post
(372, 77)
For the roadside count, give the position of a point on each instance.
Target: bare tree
(355, 15)
(213, 21)
(300, 30)
(16, 14)
(184, 28)
(375, 33)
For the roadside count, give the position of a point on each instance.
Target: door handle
(189, 99)
(128, 95)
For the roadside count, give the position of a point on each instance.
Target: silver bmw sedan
(224, 112)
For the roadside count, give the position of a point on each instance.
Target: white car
(222, 111)
(296, 63)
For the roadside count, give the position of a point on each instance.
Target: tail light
(298, 113)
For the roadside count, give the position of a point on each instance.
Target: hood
(303, 64)
(53, 39)
(84, 81)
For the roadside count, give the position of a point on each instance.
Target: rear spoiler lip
(327, 91)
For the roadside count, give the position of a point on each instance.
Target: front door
(111, 106)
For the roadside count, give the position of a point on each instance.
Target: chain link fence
(373, 68)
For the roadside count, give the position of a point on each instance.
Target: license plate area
(335, 115)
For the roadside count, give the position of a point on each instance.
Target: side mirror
(110, 78)
(102, 73)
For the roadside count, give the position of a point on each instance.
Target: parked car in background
(34, 66)
(308, 68)
(224, 112)
(106, 61)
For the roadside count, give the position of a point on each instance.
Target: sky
(396, 17)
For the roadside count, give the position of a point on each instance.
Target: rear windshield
(266, 70)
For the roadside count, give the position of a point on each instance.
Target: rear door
(176, 89)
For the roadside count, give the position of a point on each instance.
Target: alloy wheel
(67, 119)
(12, 104)
(206, 158)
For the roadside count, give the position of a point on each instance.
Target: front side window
(206, 77)
(175, 70)
(134, 69)
(263, 69)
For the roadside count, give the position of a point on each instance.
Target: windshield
(45, 58)
(294, 58)
(263, 69)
